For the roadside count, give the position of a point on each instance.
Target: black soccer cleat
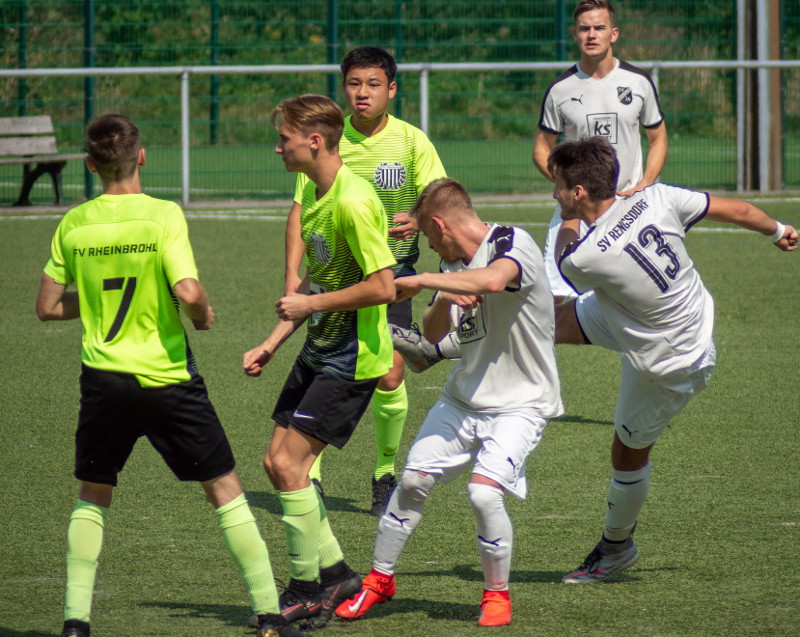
(75, 628)
(300, 600)
(275, 625)
(332, 593)
(382, 492)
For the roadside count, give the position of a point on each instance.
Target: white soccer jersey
(655, 305)
(508, 359)
(579, 106)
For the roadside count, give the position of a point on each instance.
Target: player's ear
(614, 34)
(90, 165)
(392, 89)
(316, 140)
(141, 158)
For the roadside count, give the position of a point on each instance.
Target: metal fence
(170, 65)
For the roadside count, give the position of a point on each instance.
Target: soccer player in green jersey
(347, 348)
(130, 259)
(398, 160)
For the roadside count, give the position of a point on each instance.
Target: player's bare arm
(54, 302)
(746, 215)
(194, 302)
(254, 360)
(376, 289)
(295, 249)
(437, 319)
(493, 278)
(657, 146)
(542, 146)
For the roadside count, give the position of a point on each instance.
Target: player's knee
(415, 487)
(484, 498)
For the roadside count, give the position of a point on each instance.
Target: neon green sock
(329, 550)
(84, 542)
(315, 472)
(245, 544)
(389, 409)
(301, 524)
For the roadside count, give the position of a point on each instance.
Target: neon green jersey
(344, 237)
(399, 161)
(124, 253)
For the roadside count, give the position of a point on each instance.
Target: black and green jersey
(399, 161)
(124, 253)
(345, 237)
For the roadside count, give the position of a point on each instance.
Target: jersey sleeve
(362, 220)
(299, 186)
(57, 267)
(690, 206)
(651, 115)
(178, 257)
(429, 166)
(550, 118)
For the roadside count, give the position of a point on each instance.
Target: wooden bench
(31, 141)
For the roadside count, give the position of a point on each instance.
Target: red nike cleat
(495, 609)
(375, 589)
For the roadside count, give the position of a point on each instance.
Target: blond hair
(311, 113)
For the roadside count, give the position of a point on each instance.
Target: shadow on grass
(472, 573)
(269, 502)
(233, 615)
(7, 632)
(569, 419)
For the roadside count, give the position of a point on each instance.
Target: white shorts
(498, 443)
(646, 404)
(557, 283)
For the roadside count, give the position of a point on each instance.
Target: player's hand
(205, 324)
(788, 242)
(627, 193)
(466, 302)
(407, 287)
(254, 360)
(294, 307)
(406, 229)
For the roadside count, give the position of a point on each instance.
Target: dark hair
(365, 57)
(591, 163)
(112, 142)
(309, 113)
(441, 196)
(590, 5)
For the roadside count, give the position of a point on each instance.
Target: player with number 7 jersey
(635, 260)
(124, 252)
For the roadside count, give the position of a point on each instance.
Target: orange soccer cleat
(495, 609)
(376, 588)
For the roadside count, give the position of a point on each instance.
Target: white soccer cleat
(601, 563)
(418, 353)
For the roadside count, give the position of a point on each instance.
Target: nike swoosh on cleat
(356, 606)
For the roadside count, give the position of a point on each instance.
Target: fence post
(423, 98)
(185, 138)
(88, 84)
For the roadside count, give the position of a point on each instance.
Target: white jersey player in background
(600, 96)
(497, 399)
(641, 296)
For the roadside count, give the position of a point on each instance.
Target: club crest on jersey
(322, 252)
(624, 94)
(390, 176)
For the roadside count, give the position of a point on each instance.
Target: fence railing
(183, 74)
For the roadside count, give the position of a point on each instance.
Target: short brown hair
(591, 163)
(440, 197)
(590, 5)
(112, 142)
(309, 113)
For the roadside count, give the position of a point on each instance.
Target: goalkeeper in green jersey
(347, 349)
(130, 259)
(398, 160)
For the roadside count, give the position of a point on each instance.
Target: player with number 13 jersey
(635, 248)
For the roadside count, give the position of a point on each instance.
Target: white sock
(627, 492)
(401, 518)
(449, 347)
(495, 534)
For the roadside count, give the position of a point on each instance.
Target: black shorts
(399, 313)
(321, 404)
(178, 420)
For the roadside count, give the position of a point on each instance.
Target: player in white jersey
(497, 400)
(640, 295)
(600, 96)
